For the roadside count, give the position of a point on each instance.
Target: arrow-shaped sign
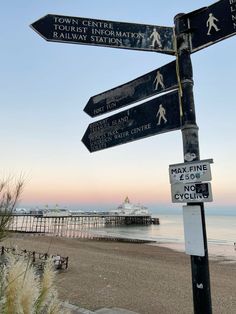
(80, 30)
(153, 117)
(152, 83)
(212, 24)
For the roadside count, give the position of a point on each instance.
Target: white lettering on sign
(119, 121)
(187, 193)
(98, 32)
(140, 129)
(97, 24)
(190, 172)
(104, 131)
(233, 11)
(106, 40)
(69, 36)
(69, 28)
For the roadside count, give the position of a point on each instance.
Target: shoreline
(218, 252)
(144, 278)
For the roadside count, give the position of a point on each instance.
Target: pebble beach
(142, 278)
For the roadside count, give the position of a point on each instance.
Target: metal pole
(199, 264)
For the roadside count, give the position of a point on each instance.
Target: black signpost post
(171, 111)
(199, 264)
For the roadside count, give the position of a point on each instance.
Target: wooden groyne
(79, 226)
(121, 239)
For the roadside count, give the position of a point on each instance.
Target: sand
(138, 277)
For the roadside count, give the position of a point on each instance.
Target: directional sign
(88, 31)
(156, 116)
(190, 172)
(152, 83)
(212, 24)
(191, 192)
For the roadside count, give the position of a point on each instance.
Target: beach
(143, 278)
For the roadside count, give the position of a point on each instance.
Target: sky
(44, 87)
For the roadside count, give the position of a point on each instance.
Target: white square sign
(193, 234)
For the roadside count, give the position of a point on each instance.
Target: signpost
(193, 31)
(199, 264)
(80, 30)
(153, 83)
(212, 24)
(156, 116)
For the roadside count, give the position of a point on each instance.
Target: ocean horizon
(155, 209)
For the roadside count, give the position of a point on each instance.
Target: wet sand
(224, 252)
(143, 278)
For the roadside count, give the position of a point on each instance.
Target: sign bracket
(210, 161)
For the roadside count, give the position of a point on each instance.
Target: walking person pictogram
(211, 23)
(158, 80)
(161, 113)
(156, 38)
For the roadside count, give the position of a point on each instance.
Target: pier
(76, 226)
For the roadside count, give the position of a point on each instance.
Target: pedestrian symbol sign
(155, 82)
(212, 24)
(159, 81)
(155, 39)
(161, 114)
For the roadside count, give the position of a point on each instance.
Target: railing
(38, 259)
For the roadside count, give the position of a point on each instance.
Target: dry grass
(23, 291)
(10, 191)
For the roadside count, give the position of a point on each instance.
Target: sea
(220, 229)
(221, 234)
